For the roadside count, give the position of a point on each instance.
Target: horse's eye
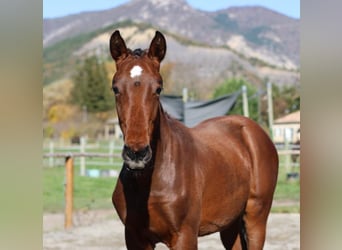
(158, 90)
(115, 90)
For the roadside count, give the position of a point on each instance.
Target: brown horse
(178, 183)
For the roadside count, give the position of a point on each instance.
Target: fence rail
(105, 155)
(288, 152)
(84, 153)
(90, 155)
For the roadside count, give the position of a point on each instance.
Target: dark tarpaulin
(193, 112)
(174, 106)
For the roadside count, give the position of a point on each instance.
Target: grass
(53, 189)
(89, 193)
(294, 208)
(287, 193)
(95, 193)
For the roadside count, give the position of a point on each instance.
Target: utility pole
(270, 108)
(245, 101)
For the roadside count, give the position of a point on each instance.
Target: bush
(233, 85)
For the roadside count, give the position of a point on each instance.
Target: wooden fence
(85, 151)
(55, 149)
(69, 174)
(69, 177)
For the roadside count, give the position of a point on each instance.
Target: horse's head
(137, 85)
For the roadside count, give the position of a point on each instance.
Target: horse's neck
(168, 133)
(173, 143)
(163, 129)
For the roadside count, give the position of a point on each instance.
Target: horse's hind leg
(255, 220)
(232, 237)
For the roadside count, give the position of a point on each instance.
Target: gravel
(101, 230)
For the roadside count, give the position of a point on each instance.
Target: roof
(290, 118)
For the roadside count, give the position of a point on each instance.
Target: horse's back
(236, 128)
(247, 141)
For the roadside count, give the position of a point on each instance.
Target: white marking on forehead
(136, 71)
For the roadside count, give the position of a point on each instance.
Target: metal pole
(69, 185)
(185, 95)
(51, 150)
(270, 108)
(259, 105)
(245, 101)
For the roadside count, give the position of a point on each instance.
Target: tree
(91, 86)
(233, 85)
(166, 72)
(286, 100)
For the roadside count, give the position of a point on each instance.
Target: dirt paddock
(101, 230)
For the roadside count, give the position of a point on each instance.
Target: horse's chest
(156, 215)
(165, 215)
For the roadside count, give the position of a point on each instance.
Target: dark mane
(138, 52)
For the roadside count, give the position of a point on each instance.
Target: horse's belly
(219, 219)
(220, 211)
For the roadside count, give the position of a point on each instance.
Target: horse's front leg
(185, 239)
(135, 241)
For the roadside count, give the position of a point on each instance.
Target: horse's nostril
(136, 155)
(129, 152)
(141, 154)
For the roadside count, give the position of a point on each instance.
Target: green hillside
(58, 59)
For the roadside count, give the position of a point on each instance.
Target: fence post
(287, 155)
(69, 186)
(51, 150)
(82, 158)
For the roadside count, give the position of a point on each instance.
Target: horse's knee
(136, 242)
(185, 243)
(185, 239)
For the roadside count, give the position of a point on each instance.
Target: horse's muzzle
(136, 159)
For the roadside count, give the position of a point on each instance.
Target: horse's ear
(117, 46)
(157, 47)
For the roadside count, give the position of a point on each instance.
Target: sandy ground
(101, 230)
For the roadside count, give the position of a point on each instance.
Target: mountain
(253, 32)
(187, 63)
